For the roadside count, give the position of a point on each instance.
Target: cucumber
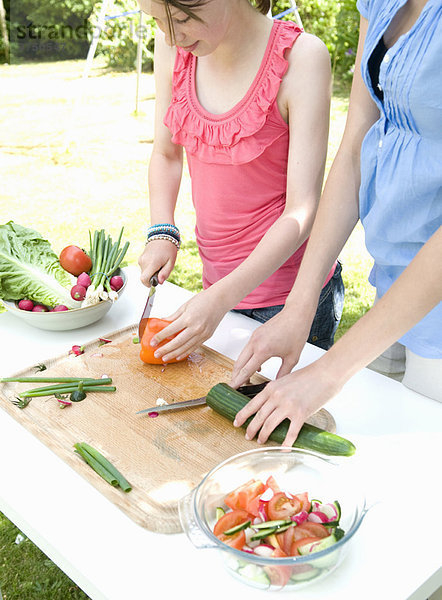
(220, 512)
(254, 573)
(278, 523)
(262, 533)
(227, 402)
(237, 528)
(317, 546)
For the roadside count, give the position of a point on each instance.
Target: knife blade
(147, 309)
(250, 390)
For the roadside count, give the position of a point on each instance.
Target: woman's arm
(304, 99)
(286, 334)
(165, 168)
(298, 395)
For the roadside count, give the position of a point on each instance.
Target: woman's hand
(158, 255)
(194, 322)
(295, 397)
(283, 335)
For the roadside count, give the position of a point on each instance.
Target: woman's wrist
(164, 231)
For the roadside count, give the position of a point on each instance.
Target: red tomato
(304, 500)
(308, 540)
(246, 496)
(226, 522)
(308, 529)
(75, 261)
(278, 574)
(271, 483)
(147, 351)
(286, 538)
(281, 507)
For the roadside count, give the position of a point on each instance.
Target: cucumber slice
(263, 533)
(269, 524)
(338, 508)
(317, 546)
(254, 573)
(220, 512)
(305, 575)
(339, 533)
(237, 528)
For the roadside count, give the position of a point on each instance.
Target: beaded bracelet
(164, 229)
(164, 236)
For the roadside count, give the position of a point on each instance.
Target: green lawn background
(73, 158)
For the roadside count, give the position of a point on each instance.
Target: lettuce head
(29, 268)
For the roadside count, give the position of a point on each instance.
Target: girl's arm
(165, 168)
(286, 333)
(305, 99)
(298, 395)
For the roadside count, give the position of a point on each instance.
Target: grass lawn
(73, 157)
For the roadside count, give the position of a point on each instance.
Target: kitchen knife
(250, 391)
(147, 309)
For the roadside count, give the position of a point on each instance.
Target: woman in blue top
(388, 173)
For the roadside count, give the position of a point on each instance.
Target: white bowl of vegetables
(59, 293)
(282, 518)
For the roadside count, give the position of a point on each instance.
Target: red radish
(300, 517)
(84, 280)
(116, 283)
(78, 292)
(317, 517)
(77, 350)
(39, 308)
(59, 308)
(26, 304)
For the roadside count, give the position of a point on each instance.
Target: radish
(116, 283)
(300, 517)
(59, 308)
(26, 304)
(39, 308)
(84, 280)
(317, 517)
(78, 292)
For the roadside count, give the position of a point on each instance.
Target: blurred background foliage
(63, 29)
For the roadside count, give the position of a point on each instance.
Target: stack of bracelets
(164, 231)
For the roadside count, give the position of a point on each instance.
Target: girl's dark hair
(188, 6)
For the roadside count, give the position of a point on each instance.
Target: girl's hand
(158, 255)
(283, 335)
(295, 397)
(194, 322)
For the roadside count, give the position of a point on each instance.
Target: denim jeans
(328, 313)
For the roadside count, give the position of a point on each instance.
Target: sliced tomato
(271, 483)
(305, 502)
(308, 529)
(226, 522)
(286, 539)
(282, 507)
(245, 495)
(278, 574)
(308, 540)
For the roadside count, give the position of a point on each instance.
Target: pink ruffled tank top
(238, 167)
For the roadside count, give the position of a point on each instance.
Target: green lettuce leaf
(29, 268)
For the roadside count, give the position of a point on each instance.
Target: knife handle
(154, 279)
(251, 390)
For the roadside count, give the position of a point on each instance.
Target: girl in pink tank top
(248, 99)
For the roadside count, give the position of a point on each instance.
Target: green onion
(106, 257)
(66, 390)
(102, 466)
(88, 382)
(47, 379)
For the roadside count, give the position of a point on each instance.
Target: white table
(396, 554)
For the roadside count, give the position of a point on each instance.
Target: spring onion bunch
(106, 257)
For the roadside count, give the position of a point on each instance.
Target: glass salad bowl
(295, 471)
(67, 319)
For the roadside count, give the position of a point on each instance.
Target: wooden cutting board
(164, 458)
